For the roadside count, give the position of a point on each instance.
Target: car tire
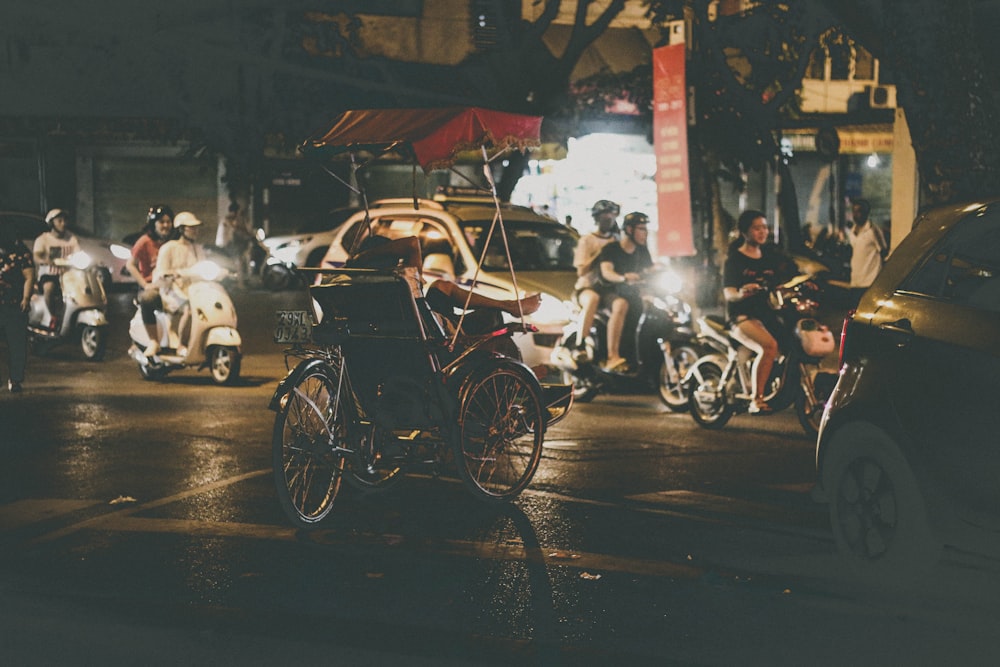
(877, 512)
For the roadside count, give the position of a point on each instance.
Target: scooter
(81, 318)
(720, 384)
(213, 341)
(659, 352)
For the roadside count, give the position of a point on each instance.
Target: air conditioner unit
(882, 97)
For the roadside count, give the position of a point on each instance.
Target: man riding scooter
(659, 346)
(58, 243)
(622, 265)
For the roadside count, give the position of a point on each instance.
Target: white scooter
(213, 341)
(82, 316)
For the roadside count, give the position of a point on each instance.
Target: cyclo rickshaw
(380, 387)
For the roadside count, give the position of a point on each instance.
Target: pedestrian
(17, 281)
(868, 247)
(235, 236)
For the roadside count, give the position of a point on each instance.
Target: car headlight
(120, 251)
(287, 252)
(552, 311)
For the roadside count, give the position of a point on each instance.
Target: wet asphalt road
(138, 525)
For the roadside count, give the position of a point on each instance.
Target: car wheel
(877, 511)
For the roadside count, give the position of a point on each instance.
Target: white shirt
(866, 254)
(173, 257)
(49, 247)
(587, 249)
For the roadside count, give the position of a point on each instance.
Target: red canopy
(435, 136)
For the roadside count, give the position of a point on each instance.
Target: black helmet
(157, 212)
(635, 218)
(605, 206)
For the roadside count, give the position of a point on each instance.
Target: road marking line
(24, 512)
(123, 520)
(97, 521)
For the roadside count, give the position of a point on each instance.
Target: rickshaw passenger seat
(382, 329)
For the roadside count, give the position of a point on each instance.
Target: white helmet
(186, 219)
(53, 214)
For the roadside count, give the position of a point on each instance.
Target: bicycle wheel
(500, 432)
(307, 430)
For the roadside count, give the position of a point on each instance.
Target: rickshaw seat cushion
(368, 304)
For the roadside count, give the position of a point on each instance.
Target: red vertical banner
(674, 236)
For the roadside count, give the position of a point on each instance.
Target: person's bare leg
(761, 369)
(589, 302)
(616, 325)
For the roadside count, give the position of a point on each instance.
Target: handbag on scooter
(817, 339)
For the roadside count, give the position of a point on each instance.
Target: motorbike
(720, 383)
(659, 351)
(213, 341)
(274, 274)
(82, 316)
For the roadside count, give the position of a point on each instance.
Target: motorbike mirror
(797, 280)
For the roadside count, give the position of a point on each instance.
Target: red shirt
(144, 253)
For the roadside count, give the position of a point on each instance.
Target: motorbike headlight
(669, 282)
(79, 260)
(120, 251)
(207, 270)
(552, 311)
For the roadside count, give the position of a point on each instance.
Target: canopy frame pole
(497, 220)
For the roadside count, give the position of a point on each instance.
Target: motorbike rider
(159, 229)
(590, 289)
(754, 267)
(174, 257)
(56, 243)
(622, 265)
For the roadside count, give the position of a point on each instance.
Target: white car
(106, 254)
(452, 236)
(307, 247)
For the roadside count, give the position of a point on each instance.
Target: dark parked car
(908, 453)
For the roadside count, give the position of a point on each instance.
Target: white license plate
(292, 326)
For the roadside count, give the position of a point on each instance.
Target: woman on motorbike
(754, 267)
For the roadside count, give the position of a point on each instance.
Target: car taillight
(843, 336)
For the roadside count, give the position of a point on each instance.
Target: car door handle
(901, 331)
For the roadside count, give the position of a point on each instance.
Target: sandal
(618, 364)
(760, 407)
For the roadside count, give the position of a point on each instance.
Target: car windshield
(534, 246)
